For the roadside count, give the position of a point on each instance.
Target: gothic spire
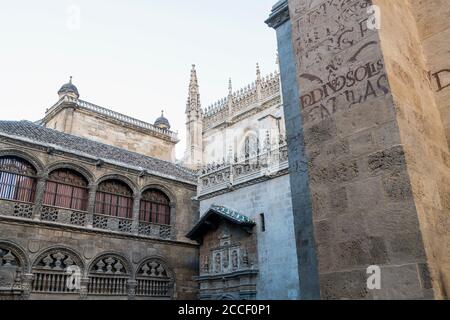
(193, 102)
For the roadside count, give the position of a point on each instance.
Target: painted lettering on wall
(442, 79)
(354, 87)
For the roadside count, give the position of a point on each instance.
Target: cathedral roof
(214, 214)
(34, 133)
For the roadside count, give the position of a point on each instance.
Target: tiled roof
(82, 146)
(234, 217)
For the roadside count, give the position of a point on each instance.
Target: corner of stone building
(378, 165)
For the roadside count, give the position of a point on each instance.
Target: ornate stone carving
(153, 279)
(68, 176)
(17, 165)
(109, 265)
(115, 187)
(23, 210)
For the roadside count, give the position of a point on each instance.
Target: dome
(69, 89)
(162, 122)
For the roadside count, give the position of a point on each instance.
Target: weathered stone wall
(277, 257)
(363, 193)
(422, 130)
(85, 124)
(182, 259)
(433, 27)
(180, 253)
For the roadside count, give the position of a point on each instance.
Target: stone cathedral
(290, 188)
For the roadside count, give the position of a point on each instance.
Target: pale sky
(132, 56)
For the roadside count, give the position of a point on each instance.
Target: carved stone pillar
(84, 288)
(131, 288)
(91, 205)
(27, 281)
(173, 220)
(39, 198)
(136, 209)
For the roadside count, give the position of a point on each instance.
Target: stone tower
(194, 124)
(366, 124)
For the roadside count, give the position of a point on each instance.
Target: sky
(133, 57)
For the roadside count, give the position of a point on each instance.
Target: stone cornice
(110, 116)
(279, 14)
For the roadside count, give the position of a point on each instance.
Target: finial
(162, 113)
(70, 81)
(258, 72)
(230, 86)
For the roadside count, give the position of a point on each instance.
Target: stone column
(91, 205)
(27, 282)
(39, 198)
(84, 283)
(131, 287)
(136, 212)
(367, 150)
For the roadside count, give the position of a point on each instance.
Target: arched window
(66, 188)
(17, 179)
(155, 207)
(114, 198)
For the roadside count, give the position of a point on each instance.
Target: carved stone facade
(367, 139)
(53, 252)
(74, 116)
(240, 153)
(228, 255)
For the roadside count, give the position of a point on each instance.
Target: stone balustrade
(217, 177)
(114, 115)
(84, 220)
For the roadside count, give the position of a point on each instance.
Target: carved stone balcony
(84, 220)
(222, 177)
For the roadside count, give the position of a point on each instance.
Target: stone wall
(101, 129)
(32, 233)
(181, 259)
(277, 257)
(419, 109)
(364, 195)
(185, 211)
(433, 30)
(219, 141)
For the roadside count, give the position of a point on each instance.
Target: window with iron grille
(17, 179)
(66, 188)
(155, 207)
(114, 198)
